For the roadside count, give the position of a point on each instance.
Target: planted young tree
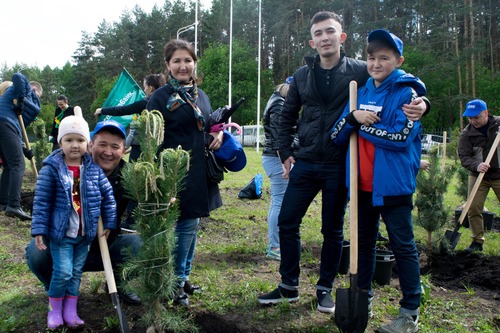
(41, 148)
(154, 182)
(431, 188)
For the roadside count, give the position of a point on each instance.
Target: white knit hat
(73, 125)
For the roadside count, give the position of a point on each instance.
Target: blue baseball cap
(231, 153)
(107, 124)
(474, 108)
(386, 35)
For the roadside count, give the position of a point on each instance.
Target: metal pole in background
(258, 76)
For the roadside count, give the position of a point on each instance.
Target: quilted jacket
(52, 206)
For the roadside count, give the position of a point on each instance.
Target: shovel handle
(472, 193)
(27, 143)
(353, 182)
(106, 260)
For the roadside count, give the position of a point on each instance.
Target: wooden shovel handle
(472, 193)
(353, 182)
(27, 143)
(106, 260)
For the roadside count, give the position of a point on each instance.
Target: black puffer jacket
(473, 148)
(317, 117)
(270, 121)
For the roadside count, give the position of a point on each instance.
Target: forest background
(452, 45)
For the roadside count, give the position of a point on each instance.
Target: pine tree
(154, 181)
(431, 188)
(41, 148)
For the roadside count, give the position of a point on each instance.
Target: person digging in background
(474, 145)
(11, 145)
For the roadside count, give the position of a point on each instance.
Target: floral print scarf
(185, 93)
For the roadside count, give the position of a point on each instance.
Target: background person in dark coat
(186, 109)
(62, 111)
(273, 167)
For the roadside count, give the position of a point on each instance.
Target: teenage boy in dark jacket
(321, 89)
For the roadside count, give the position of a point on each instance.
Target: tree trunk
(473, 52)
(459, 71)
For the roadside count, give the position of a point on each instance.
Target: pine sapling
(431, 188)
(154, 182)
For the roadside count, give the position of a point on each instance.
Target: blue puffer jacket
(52, 206)
(20, 87)
(396, 138)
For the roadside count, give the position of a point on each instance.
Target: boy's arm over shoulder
(395, 131)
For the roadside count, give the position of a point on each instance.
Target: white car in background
(430, 140)
(248, 136)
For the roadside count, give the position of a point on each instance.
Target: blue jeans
(40, 262)
(397, 219)
(306, 180)
(274, 170)
(68, 260)
(187, 232)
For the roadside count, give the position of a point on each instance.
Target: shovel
(454, 236)
(110, 278)
(351, 310)
(19, 104)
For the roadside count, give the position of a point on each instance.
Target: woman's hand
(217, 142)
(98, 112)
(366, 118)
(39, 243)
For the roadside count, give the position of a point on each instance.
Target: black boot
(474, 246)
(17, 212)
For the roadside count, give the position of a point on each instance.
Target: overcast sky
(47, 32)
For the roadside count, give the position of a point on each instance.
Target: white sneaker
(404, 323)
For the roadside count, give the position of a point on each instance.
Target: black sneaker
(474, 246)
(325, 301)
(279, 295)
(191, 288)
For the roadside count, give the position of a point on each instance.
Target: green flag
(125, 91)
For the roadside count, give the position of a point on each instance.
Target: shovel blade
(351, 310)
(122, 318)
(453, 237)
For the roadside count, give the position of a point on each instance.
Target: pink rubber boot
(71, 319)
(54, 318)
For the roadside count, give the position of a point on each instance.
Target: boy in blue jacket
(70, 192)
(389, 158)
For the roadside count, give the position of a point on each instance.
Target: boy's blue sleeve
(342, 130)
(394, 131)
